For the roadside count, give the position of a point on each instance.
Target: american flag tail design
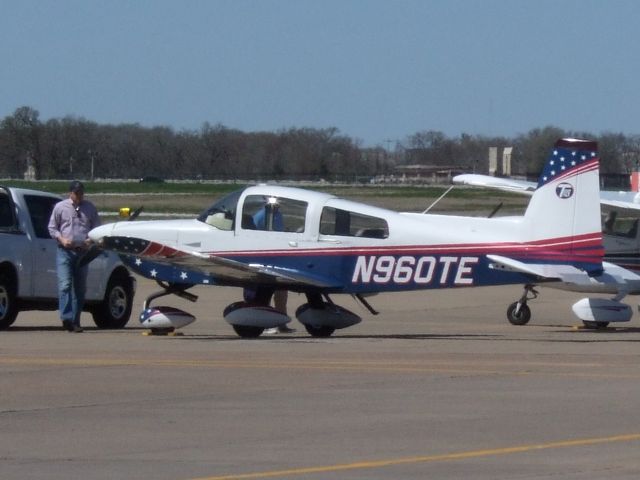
(565, 208)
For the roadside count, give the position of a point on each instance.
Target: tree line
(73, 147)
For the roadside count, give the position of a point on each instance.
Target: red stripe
(587, 166)
(581, 245)
(153, 248)
(579, 241)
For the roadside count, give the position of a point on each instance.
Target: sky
(377, 70)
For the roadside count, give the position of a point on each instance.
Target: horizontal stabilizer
(548, 272)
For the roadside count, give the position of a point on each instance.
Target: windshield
(223, 211)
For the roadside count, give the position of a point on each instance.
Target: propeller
(135, 213)
(91, 253)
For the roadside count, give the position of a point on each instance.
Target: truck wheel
(114, 311)
(8, 302)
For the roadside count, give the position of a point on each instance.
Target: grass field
(191, 198)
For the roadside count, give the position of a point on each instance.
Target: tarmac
(438, 385)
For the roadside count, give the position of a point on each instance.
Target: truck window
(6, 218)
(40, 209)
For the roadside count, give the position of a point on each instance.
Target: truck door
(45, 280)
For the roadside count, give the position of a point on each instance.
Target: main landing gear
(320, 316)
(519, 312)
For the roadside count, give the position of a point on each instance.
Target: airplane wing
(620, 200)
(614, 199)
(506, 184)
(216, 266)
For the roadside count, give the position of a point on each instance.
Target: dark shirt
(259, 219)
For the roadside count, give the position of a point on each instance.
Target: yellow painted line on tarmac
(447, 457)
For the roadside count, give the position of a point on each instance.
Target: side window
(6, 216)
(40, 209)
(335, 221)
(277, 214)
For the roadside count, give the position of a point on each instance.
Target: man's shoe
(270, 331)
(285, 329)
(67, 325)
(77, 329)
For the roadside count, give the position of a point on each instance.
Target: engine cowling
(602, 310)
(331, 315)
(165, 318)
(250, 315)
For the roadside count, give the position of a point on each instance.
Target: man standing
(270, 218)
(70, 223)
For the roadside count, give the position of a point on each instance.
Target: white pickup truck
(28, 279)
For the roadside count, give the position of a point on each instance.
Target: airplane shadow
(14, 329)
(568, 334)
(59, 328)
(578, 328)
(310, 339)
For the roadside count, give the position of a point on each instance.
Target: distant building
(437, 174)
(502, 169)
(506, 161)
(30, 172)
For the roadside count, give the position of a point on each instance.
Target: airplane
(327, 245)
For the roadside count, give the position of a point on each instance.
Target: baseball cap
(76, 186)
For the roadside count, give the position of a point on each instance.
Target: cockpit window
(277, 214)
(335, 221)
(620, 225)
(222, 213)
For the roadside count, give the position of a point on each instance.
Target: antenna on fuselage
(495, 210)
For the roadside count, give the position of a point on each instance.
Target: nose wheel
(519, 312)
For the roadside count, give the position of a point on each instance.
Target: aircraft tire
(246, 331)
(322, 331)
(522, 317)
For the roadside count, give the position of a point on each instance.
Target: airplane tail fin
(564, 212)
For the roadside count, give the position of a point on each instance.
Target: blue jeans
(72, 285)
